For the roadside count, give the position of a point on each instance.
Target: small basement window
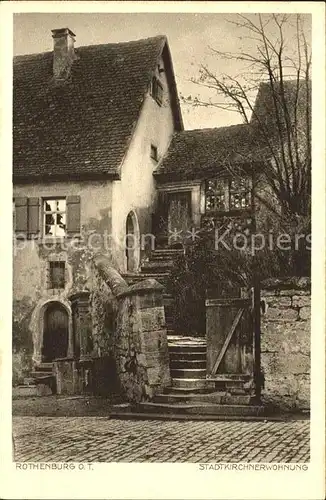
(57, 275)
(154, 154)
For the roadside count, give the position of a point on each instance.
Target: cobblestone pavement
(97, 439)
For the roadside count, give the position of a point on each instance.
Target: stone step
(168, 301)
(186, 349)
(228, 377)
(235, 388)
(188, 356)
(173, 396)
(25, 390)
(193, 383)
(177, 363)
(161, 257)
(166, 251)
(31, 390)
(211, 397)
(186, 340)
(234, 383)
(39, 375)
(162, 265)
(188, 373)
(29, 381)
(43, 367)
(202, 408)
(188, 390)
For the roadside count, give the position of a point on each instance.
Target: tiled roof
(82, 127)
(196, 153)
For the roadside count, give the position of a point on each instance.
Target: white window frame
(47, 212)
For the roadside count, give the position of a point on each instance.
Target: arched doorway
(55, 332)
(132, 242)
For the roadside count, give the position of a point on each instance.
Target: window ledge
(229, 213)
(58, 239)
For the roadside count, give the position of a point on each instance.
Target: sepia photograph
(161, 241)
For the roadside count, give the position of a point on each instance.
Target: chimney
(63, 52)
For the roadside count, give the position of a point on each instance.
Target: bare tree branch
(285, 134)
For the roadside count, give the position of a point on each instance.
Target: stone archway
(39, 322)
(132, 242)
(55, 332)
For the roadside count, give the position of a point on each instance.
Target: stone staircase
(191, 393)
(41, 382)
(158, 266)
(43, 373)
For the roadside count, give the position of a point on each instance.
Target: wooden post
(257, 362)
(82, 322)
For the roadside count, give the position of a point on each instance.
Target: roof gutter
(24, 179)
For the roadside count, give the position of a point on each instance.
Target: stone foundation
(285, 343)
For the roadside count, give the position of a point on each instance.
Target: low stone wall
(285, 343)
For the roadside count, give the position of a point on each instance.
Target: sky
(191, 38)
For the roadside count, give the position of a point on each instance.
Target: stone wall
(139, 339)
(31, 265)
(285, 343)
(104, 306)
(140, 345)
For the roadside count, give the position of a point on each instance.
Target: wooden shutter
(21, 215)
(33, 216)
(73, 215)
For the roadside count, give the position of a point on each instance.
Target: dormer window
(157, 90)
(154, 154)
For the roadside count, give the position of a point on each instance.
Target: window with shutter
(73, 215)
(33, 216)
(21, 219)
(54, 213)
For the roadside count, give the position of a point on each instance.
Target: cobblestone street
(97, 439)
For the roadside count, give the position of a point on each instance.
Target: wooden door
(55, 335)
(233, 336)
(179, 216)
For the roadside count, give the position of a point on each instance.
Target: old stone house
(102, 165)
(89, 127)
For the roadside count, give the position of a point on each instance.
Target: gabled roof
(82, 128)
(197, 153)
(194, 154)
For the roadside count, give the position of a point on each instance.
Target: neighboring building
(209, 174)
(89, 126)
(197, 179)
